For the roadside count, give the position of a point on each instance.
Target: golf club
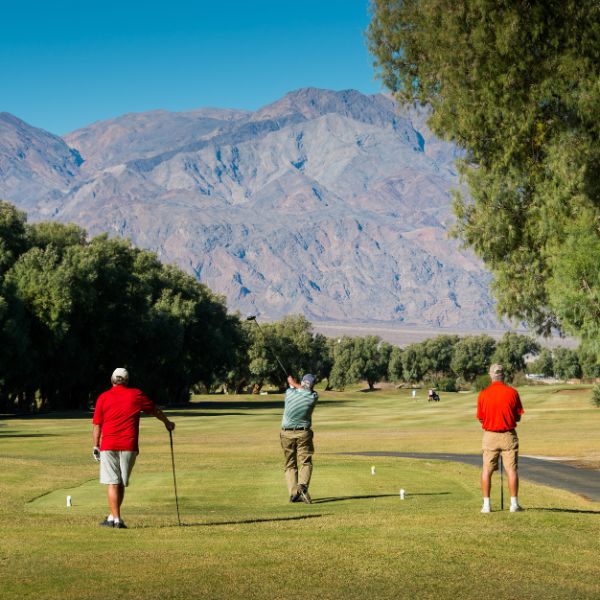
(501, 484)
(174, 480)
(253, 318)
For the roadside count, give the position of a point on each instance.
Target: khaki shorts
(496, 443)
(116, 466)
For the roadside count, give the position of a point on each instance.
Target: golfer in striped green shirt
(297, 436)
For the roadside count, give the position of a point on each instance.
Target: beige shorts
(116, 466)
(496, 443)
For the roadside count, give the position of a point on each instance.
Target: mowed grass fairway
(244, 540)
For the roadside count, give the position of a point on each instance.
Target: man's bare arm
(160, 415)
(293, 383)
(96, 434)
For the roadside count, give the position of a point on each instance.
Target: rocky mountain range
(331, 204)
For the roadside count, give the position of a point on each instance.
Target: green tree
(413, 363)
(566, 364)
(543, 364)
(473, 356)
(515, 85)
(590, 366)
(341, 352)
(370, 357)
(359, 359)
(322, 358)
(511, 351)
(293, 342)
(13, 241)
(437, 355)
(395, 368)
(15, 359)
(59, 235)
(72, 310)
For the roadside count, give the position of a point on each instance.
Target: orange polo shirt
(498, 407)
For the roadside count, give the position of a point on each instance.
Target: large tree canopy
(516, 84)
(72, 309)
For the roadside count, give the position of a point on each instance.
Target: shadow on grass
(193, 413)
(241, 522)
(178, 410)
(427, 494)
(565, 510)
(243, 404)
(61, 414)
(340, 498)
(25, 435)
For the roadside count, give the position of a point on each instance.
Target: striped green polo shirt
(299, 405)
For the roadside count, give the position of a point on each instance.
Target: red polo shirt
(118, 414)
(498, 407)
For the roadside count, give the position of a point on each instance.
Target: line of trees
(72, 309)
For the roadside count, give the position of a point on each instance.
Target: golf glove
(96, 453)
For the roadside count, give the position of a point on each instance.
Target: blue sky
(65, 64)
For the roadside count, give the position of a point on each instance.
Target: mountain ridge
(331, 204)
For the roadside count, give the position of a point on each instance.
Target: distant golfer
(115, 438)
(297, 436)
(499, 409)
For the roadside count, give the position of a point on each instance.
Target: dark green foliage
(359, 359)
(437, 355)
(473, 356)
(370, 360)
(543, 364)
(596, 395)
(511, 351)
(71, 310)
(293, 342)
(446, 384)
(413, 363)
(341, 352)
(395, 369)
(515, 84)
(566, 364)
(481, 382)
(12, 235)
(590, 367)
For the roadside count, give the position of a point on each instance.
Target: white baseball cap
(120, 373)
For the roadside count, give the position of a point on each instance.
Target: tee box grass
(243, 539)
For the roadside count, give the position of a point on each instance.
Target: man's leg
(510, 458)
(486, 482)
(116, 493)
(513, 482)
(491, 452)
(288, 444)
(306, 450)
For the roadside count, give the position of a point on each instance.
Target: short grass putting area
(242, 538)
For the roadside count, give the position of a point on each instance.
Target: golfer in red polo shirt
(499, 409)
(115, 438)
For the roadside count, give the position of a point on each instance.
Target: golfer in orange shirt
(499, 409)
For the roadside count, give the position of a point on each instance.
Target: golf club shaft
(270, 350)
(174, 480)
(501, 484)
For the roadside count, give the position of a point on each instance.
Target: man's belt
(295, 428)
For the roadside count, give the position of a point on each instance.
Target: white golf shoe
(486, 509)
(516, 508)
